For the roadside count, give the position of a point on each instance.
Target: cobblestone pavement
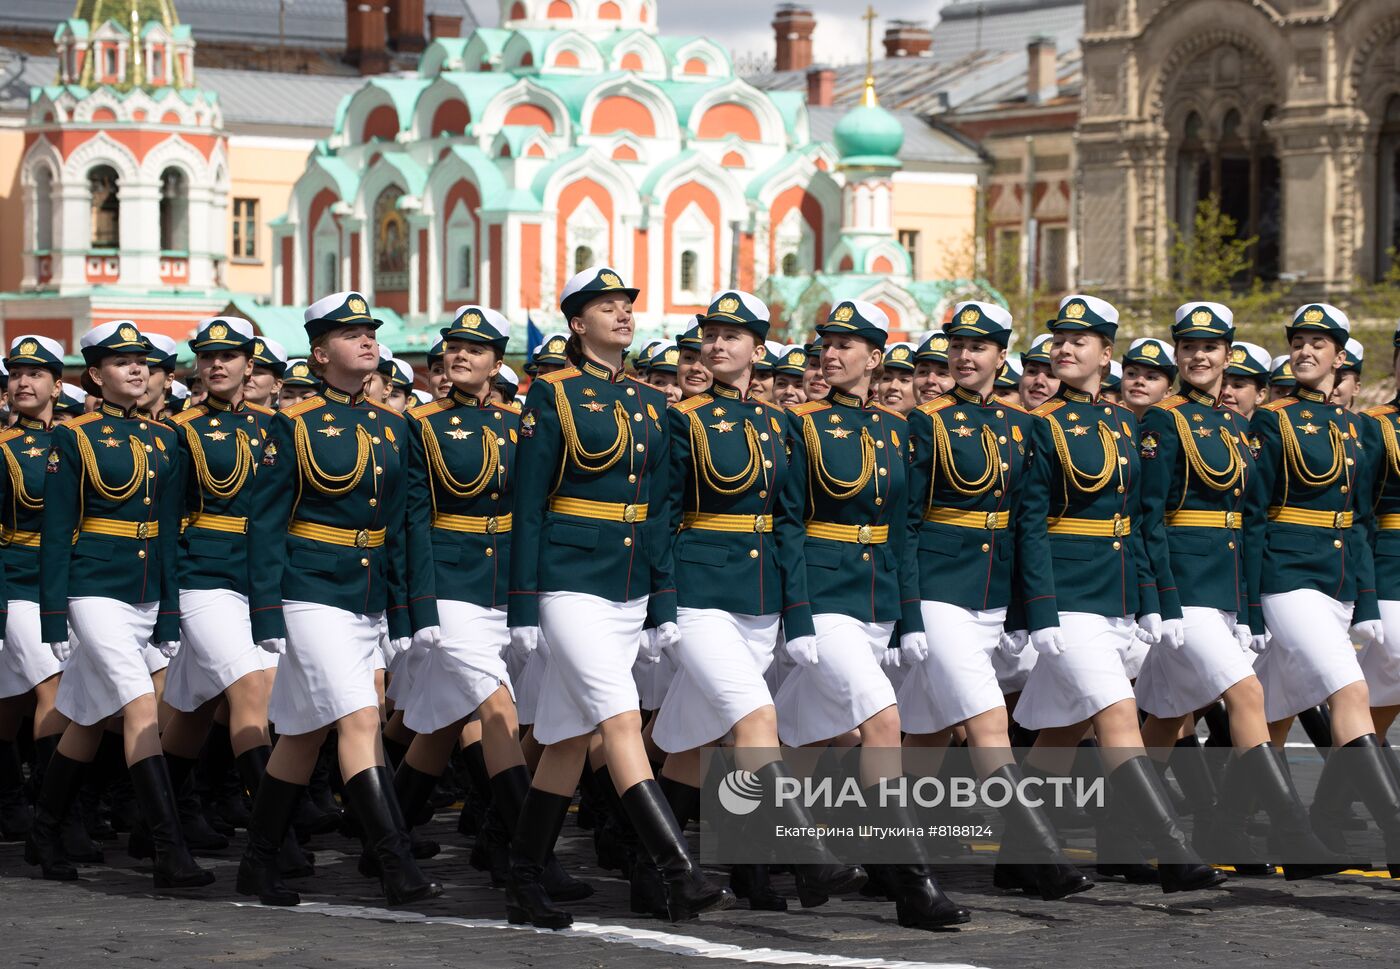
(110, 919)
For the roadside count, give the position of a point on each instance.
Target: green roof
(285, 324)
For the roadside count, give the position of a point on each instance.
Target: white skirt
(1013, 669)
(652, 679)
(108, 668)
(721, 657)
(383, 653)
(846, 688)
(454, 679)
(959, 679)
(1134, 653)
(527, 686)
(593, 643)
(780, 668)
(402, 669)
(1087, 677)
(1310, 655)
(155, 659)
(216, 647)
(328, 671)
(1380, 664)
(1175, 682)
(26, 660)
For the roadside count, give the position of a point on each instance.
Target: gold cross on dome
(868, 99)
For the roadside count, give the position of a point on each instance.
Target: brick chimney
(821, 87)
(367, 35)
(443, 25)
(908, 38)
(792, 28)
(1042, 82)
(406, 25)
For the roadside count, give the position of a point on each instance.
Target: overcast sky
(744, 26)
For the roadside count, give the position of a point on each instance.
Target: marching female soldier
(1038, 381)
(1282, 383)
(299, 384)
(761, 386)
(591, 566)
(269, 368)
(1379, 661)
(220, 443)
(1196, 476)
(896, 389)
(1086, 491)
(330, 496)
(787, 378)
(112, 483)
(461, 466)
(842, 530)
(1149, 370)
(1349, 375)
(966, 480)
(1246, 380)
(1318, 588)
(932, 378)
(732, 581)
(27, 666)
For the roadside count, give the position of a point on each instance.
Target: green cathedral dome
(868, 135)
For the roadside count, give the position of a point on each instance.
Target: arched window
(790, 266)
(1388, 209)
(690, 263)
(174, 204)
(583, 258)
(460, 254)
(43, 209)
(390, 242)
(466, 266)
(106, 208)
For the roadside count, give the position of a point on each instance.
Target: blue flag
(533, 337)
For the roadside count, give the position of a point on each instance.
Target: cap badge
(555, 346)
(938, 343)
(728, 305)
(843, 313)
(1201, 318)
(610, 280)
(1238, 355)
(28, 348)
(1313, 316)
(899, 353)
(969, 316)
(471, 321)
(258, 348)
(129, 334)
(799, 359)
(301, 370)
(1151, 351)
(218, 331)
(672, 356)
(1075, 311)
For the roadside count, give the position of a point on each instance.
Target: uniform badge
(389, 433)
(1127, 431)
(651, 412)
(270, 455)
(723, 427)
(216, 435)
(1202, 432)
(330, 431)
(894, 438)
(513, 438)
(33, 452)
(776, 428)
(52, 467)
(1016, 433)
(1148, 448)
(160, 445)
(527, 423)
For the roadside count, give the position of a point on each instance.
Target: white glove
(429, 637)
(168, 649)
(1048, 641)
(1260, 643)
(277, 644)
(668, 635)
(803, 650)
(1012, 643)
(62, 651)
(649, 648)
(889, 658)
(525, 640)
(914, 646)
(1173, 633)
(1244, 637)
(1368, 633)
(1149, 629)
(400, 644)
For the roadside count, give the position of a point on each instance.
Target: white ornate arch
(590, 58)
(592, 164)
(645, 46)
(101, 149)
(740, 92)
(178, 153)
(706, 50)
(526, 91)
(663, 111)
(360, 106)
(441, 91)
(707, 173)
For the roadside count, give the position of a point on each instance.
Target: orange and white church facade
(125, 179)
(571, 135)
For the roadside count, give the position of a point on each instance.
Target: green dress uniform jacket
(111, 519)
(329, 526)
(220, 449)
(461, 471)
(969, 462)
(728, 465)
(25, 448)
(1384, 431)
(1314, 471)
(1086, 495)
(1196, 481)
(592, 496)
(843, 518)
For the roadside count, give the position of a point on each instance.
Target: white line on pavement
(683, 945)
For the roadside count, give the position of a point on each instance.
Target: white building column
(139, 233)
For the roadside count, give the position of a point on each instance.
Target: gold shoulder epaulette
(1381, 410)
(510, 407)
(891, 411)
(185, 416)
(810, 407)
(303, 406)
(766, 403)
(87, 418)
(1172, 402)
(9, 434)
(1048, 408)
(690, 403)
(937, 404)
(260, 409)
(1280, 404)
(430, 408)
(558, 375)
(1006, 403)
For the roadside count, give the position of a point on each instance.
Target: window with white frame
(794, 244)
(460, 247)
(585, 234)
(325, 242)
(583, 258)
(693, 242)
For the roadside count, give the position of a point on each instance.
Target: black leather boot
(417, 787)
(1365, 764)
(1261, 773)
(614, 840)
(688, 891)
(199, 834)
(508, 791)
(44, 847)
(374, 803)
(1029, 832)
(318, 812)
(919, 902)
(536, 829)
(292, 862)
(15, 817)
(220, 783)
(1135, 782)
(274, 805)
(155, 794)
(1188, 765)
(78, 845)
(648, 887)
(816, 881)
(477, 801)
(1115, 838)
(394, 752)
